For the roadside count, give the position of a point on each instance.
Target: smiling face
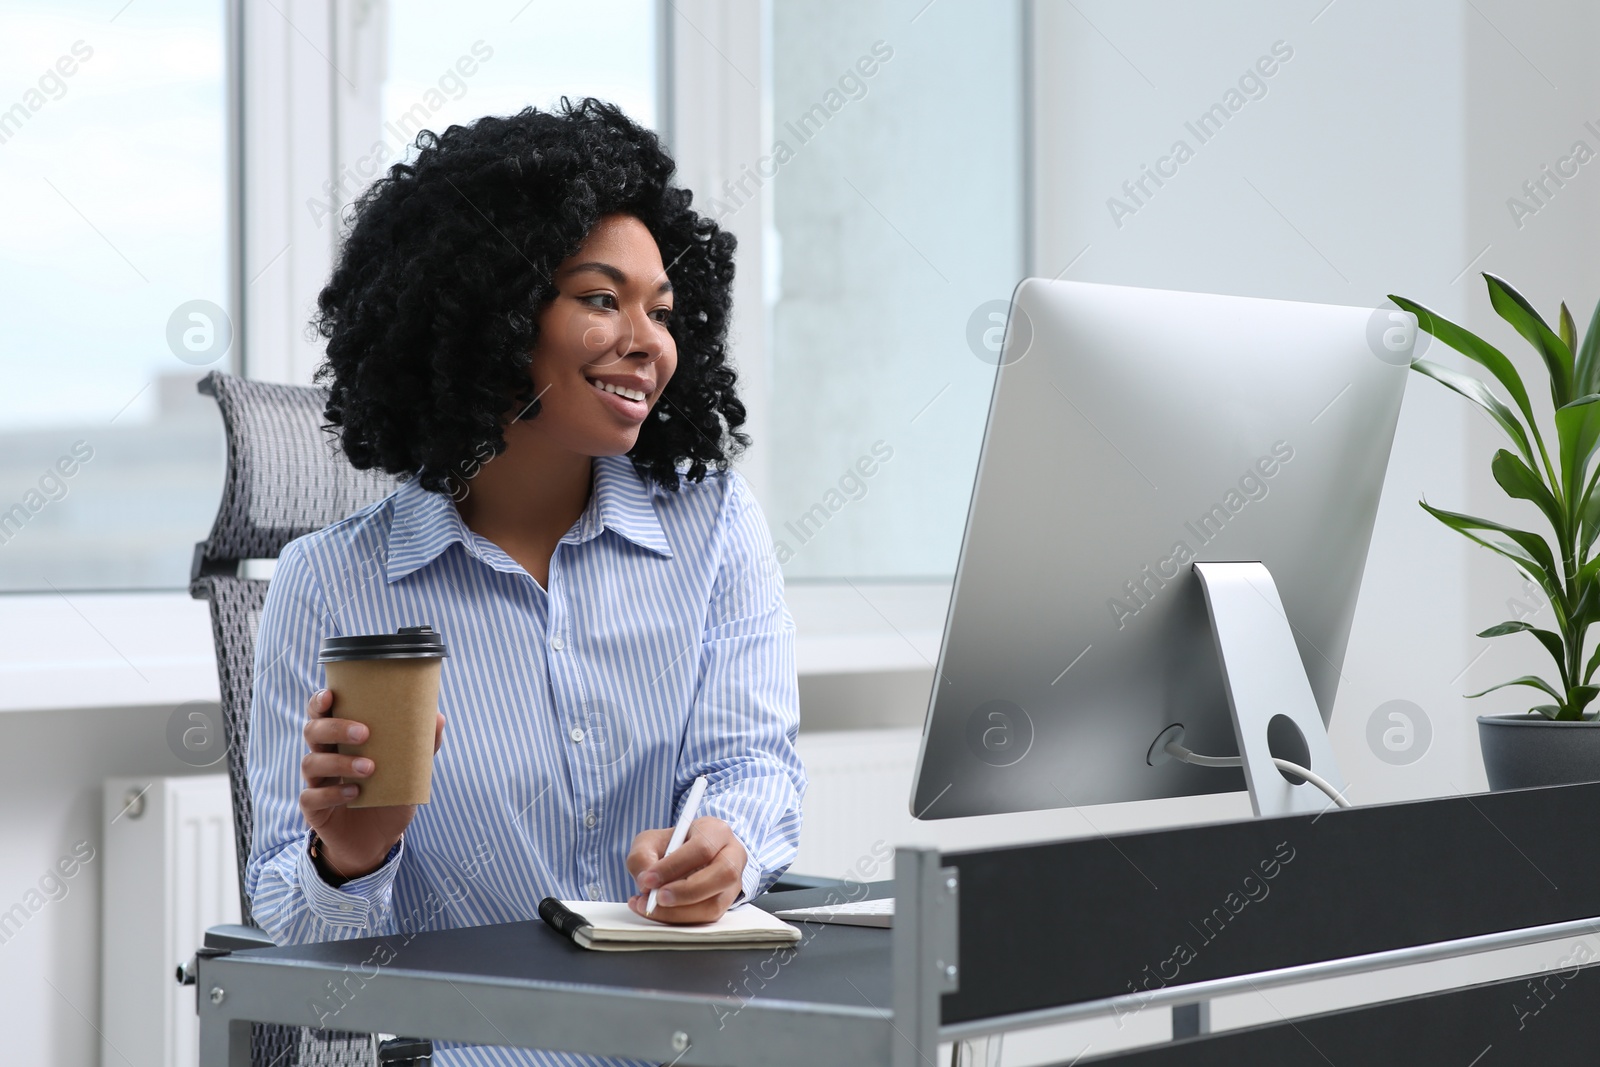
(604, 353)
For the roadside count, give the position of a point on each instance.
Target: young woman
(528, 323)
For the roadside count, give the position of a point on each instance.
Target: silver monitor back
(1132, 432)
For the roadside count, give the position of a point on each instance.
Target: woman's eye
(600, 300)
(661, 315)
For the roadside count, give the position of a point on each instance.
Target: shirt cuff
(750, 878)
(359, 903)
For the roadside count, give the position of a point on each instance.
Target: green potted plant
(1551, 465)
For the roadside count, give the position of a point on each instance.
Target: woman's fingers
(704, 911)
(322, 729)
(354, 842)
(647, 848)
(698, 882)
(714, 879)
(323, 798)
(326, 733)
(696, 851)
(316, 766)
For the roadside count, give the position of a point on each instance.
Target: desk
(522, 984)
(1351, 892)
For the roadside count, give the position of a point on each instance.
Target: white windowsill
(103, 650)
(96, 650)
(858, 627)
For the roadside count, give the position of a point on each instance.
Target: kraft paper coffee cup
(390, 682)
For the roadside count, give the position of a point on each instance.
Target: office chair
(285, 478)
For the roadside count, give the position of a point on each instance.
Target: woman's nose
(644, 339)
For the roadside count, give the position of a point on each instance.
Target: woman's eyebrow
(614, 274)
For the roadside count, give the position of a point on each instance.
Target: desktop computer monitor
(1132, 433)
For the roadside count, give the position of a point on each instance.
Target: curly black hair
(431, 314)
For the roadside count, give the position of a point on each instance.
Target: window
(899, 218)
(112, 164)
(448, 64)
(114, 142)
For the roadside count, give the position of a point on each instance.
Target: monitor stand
(1274, 711)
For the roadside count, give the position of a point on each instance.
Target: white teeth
(623, 391)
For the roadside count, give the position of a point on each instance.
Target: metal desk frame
(235, 990)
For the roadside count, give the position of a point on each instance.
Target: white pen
(681, 831)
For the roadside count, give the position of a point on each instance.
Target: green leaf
(1569, 331)
(1478, 350)
(1549, 711)
(1515, 309)
(1577, 432)
(1589, 571)
(1500, 629)
(1525, 563)
(1550, 640)
(1535, 546)
(1531, 571)
(1521, 483)
(1530, 680)
(1589, 515)
(1475, 391)
(1585, 601)
(1594, 661)
(1578, 698)
(1587, 366)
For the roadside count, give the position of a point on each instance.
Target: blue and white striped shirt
(578, 715)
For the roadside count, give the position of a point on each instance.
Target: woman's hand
(698, 882)
(354, 841)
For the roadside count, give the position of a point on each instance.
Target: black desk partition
(1061, 923)
(1549, 1021)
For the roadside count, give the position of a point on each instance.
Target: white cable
(1314, 778)
(1178, 752)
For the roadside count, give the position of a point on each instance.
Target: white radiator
(856, 806)
(169, 872)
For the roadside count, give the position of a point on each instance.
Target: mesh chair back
(285, 478)
(235, 615)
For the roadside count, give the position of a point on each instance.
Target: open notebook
(612, 927)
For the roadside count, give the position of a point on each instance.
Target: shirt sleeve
(288, 898)
(746, 716)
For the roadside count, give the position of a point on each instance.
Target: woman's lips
(633, 410)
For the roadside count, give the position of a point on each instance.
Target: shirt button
(594, 891)
(346, 907)
(589, 820)
(577, 734)
(557, 643)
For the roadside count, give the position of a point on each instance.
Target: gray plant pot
(1522, 751)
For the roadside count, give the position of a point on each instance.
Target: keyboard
(879, 913)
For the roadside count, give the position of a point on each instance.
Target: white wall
(1345, 181)
(51, 766)
(1531, 88)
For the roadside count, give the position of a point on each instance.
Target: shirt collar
(426, 523)
(624, 503)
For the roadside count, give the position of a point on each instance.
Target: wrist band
(325, 870)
